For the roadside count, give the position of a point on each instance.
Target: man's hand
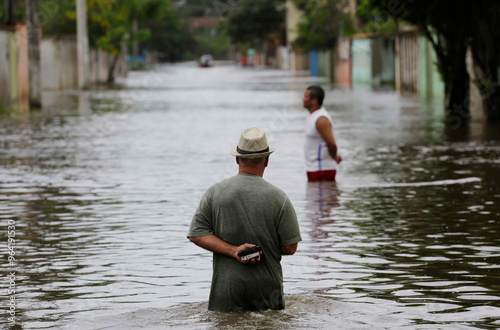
(215, 244)
(338, 159)
(244, 247)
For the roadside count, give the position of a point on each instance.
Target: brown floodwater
(102, 185)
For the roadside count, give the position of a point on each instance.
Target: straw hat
(252, 144)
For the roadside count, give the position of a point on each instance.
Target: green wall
(431, 84)
(324, 64)
(361, 61)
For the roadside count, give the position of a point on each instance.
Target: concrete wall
(60, 66)
(344, 63)
(383, 61)
(59, 63)
(408, 64)
(23, 87)
(283, 58)
(99, 63)
(300, 60)
(14, 75)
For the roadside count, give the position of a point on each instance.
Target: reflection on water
(102, 185)
(321, 201)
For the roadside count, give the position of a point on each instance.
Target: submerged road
(101, 187)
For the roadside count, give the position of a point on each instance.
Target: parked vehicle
(206, 61)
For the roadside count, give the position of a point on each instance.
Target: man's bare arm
(325, 130)
(216, 245)
(288, 249)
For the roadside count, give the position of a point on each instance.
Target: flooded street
(102, 186)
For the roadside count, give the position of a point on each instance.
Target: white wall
(60, 66)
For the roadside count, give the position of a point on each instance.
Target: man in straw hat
(239, 213)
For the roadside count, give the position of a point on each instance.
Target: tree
(111, 24)
(171, 38)
(60, 20)
(253, 21)
(322, 23)
(485, 47)
(451, 27)
(12, 11)
(160, 27)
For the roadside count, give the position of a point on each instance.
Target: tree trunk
(9, 12)
(111, 69)
(486, 55)
(457, 89)
(491, 104)
(451, 54)
(487, 81)
(35, 88)
(135, 44)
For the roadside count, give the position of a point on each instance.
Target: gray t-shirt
(247, 209)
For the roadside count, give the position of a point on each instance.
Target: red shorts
(328, 175)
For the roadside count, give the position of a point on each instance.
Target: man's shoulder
(246, 181)
(223, 183)
(231, 182)
(322, 113)
(276, 191)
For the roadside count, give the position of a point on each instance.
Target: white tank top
(315, 150)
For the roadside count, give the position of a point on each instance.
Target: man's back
(246, 208)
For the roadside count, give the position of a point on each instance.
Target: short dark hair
(252, 161)
(316, 92)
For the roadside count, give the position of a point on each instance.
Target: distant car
(206, 61)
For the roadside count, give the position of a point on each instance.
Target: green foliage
(162, 24)
(216, 45)
(389, 26)
(58, 17)
(447, 25)
(172, 38)
(446, 18)
(3, 109)
(19, 11)
(452, 27)
(253, 21)
(485, 47)
(321, 24)
(175, 40)
(109, 21)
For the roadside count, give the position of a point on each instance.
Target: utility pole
(35, 86)
(135, 43)
(82, 43)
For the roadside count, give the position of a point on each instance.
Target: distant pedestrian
(239, 213)
(320, 148)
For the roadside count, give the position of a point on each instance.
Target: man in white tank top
(320, 148)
